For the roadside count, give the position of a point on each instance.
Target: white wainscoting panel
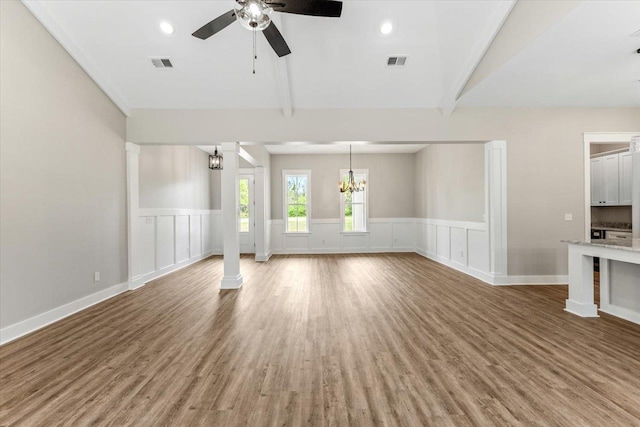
(170, 239)
(443, 241)
(460, 245)
(182, 238)
(165, 244)
(325, 236)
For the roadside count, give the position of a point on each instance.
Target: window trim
(344, 172)
(285, 217)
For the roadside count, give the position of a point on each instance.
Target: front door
(246, 214)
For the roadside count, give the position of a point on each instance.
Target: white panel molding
(197, 234)
(46, 19)
(17, 330)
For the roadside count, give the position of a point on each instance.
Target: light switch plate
(568, 217)
(96, 276)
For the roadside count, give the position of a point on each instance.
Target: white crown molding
(43, 15)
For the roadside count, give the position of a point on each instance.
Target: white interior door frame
(597, 138)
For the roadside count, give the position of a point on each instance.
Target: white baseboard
(34, 323)
(621, 312)
(140, 281)
(470, 271)
(263, 257)
(537, 280)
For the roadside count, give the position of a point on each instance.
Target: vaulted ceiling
(583, 59)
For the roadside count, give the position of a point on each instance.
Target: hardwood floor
(389, 339)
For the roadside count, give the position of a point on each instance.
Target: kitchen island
(619, 278)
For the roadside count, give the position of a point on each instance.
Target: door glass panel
(244, 205)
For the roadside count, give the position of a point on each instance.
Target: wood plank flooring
(385, 339)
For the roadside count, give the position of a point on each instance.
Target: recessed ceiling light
(166, 28)
(386, 28)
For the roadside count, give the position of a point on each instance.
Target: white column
(635, 187)
(260, 214)
(580, 300)
(232, 278)
(496, 208)
(133, 205)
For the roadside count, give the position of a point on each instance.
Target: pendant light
(215, 161)
(351, 185)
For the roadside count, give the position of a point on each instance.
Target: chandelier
(350, 184)
(215, 161)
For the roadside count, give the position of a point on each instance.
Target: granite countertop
(632, 245)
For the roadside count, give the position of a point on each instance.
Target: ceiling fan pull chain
(255, 54)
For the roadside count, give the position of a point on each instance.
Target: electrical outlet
(96, 276)
(568, 217)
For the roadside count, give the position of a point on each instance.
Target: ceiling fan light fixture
(254, 15)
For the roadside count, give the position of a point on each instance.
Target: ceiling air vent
(396, 61)
(161, 62)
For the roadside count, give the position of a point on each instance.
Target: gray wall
(450, 182)
(177, 177)
(62, 174)
(390, 183)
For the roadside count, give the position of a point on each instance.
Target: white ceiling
(335, 148)
(584, 60)
(336, 63)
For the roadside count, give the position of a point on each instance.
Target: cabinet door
(625, 177)
(611, 178)
(597, 179)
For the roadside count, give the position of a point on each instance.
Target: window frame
(285, 199)
(364, 172)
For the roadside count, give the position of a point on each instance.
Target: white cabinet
(597, 181)
(611, 180)
(625, 177)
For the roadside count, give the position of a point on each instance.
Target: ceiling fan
(255, 15)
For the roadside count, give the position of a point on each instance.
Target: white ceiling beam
(526, 22)
(483, 42)
(282, 73)
(43, 15)
(248, 157)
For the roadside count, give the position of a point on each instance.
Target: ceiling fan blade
(276, 40)
(327, 8)
(218, 24)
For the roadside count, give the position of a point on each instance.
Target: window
(353, 206)
(297, 197)
(244, 205)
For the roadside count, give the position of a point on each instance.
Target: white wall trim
(46, 19)
(34, 323)
(536, 280)
(174, 212)
(621, 312)
(140, 281)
